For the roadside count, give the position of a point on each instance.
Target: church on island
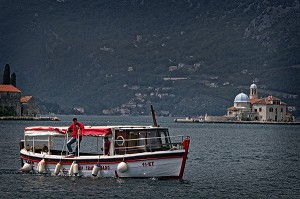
(253, 108)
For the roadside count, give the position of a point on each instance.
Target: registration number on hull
(102, 167)
(148, 164)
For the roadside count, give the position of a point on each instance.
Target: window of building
(276, 102)
(260, 109)
(270, 109)
(281, 110)
(255, 110)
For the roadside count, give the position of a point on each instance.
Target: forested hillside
(185, 57)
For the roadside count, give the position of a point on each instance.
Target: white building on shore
(253, 108)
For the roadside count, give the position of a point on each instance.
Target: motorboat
(134, 152)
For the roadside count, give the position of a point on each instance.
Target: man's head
(75, 120)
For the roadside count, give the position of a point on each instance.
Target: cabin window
(133, 139)
(136, 141)
(165, 139)
(142, 139)
(153, 140)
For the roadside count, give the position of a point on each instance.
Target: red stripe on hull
(186, 144)
(70, 161)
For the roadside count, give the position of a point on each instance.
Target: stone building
(242, 109)
(11, 97)
(253, 108)
(29, 107)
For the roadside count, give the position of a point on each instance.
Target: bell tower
(253, 92)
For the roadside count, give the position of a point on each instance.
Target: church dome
(242, 97)
(253, 86)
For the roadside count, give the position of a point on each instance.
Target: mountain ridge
(94, 51)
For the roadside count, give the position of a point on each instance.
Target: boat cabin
(137, 140)
(123, 140)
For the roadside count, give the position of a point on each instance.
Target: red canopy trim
(94, 131)
(62, 130)
(88, 131)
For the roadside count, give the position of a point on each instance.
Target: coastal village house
(253, 108)
(29, 107)
(11, 96)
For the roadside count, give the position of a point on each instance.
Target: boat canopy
(98, 131)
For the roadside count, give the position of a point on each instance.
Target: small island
(252, 109)
(15, 106)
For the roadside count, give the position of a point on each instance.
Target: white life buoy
(122, 167)
(71, 169)
(75, 168)
(42, 166)
(95, 170)
(57, 169)
(26, 167)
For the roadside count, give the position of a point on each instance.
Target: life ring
(120, 140)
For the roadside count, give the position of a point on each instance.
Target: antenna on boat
(153, 117)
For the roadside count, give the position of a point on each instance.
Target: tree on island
(6, 75)
(7, 79)
(13, 80)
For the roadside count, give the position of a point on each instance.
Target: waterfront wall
(209, 118)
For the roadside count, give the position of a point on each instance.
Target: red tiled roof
(25, 99)
(252, 101)
(266, 100)
(8, 88)
(232, 109)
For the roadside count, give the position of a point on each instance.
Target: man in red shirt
(77, 129)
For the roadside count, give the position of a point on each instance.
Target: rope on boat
(62, 151)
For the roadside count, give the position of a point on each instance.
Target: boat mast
(153, 117)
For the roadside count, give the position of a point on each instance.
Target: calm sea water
(225, 161)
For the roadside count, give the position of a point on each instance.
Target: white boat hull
(160, 164)
(132, 152)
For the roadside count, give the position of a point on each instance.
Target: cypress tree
(6, 74)
(13, 80)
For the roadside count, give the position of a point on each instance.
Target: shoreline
(30, 118)
(195, 120)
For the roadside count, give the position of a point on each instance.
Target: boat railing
(137, 145)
